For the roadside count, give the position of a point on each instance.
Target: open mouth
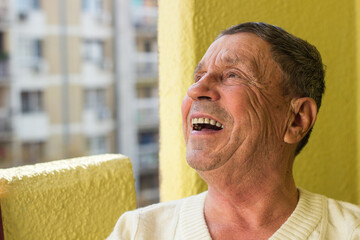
(205, 123)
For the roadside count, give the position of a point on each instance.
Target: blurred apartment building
(67, 88)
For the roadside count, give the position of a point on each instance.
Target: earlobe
(301, 120)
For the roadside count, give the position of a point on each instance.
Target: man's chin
(200, 162)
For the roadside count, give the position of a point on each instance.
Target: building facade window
(92, 6)
(93, 51)
(38, 48)
(98, 144)
(147, 91)
(31, 101)
(95, 100)
(148, 137)
(31, 54)
(28, 5)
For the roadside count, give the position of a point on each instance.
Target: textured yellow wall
(81, 198)
(357, 6)
(329, 164)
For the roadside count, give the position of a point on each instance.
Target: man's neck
(249, 211)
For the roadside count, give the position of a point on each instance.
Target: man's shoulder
(349, 212)
(333, 204)
(340, 219)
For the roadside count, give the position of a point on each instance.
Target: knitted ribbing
(305, 218)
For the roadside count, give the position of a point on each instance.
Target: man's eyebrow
(241, 59)
(237, 59)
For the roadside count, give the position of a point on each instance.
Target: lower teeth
(197, 127)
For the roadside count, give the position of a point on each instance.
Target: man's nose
(204, 89)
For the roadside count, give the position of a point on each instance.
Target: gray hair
(300, 62)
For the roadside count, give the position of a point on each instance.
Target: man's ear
(303, 116)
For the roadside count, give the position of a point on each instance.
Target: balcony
(97, 74)
(146, 66)
(149, 159)
(97, 122)
(32, 126)
(96, 24)
(145, 18)
(32, 21)
(148, 112)
(33, 66)
(146, 71)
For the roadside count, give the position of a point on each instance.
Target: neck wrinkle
(250, 209)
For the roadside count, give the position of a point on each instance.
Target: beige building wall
(52, 53)
(51, 8)
(53, 94)
(73, 11)
(74, 54)
(6, 41)
(77, 146)
(108, 6)
(109, 51)
(55, 147)
(53, 104)
(75, 103)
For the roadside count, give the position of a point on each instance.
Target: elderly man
(250, 111)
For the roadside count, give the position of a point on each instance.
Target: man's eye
(197, 78)
(232, 75)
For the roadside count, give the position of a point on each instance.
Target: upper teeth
(207, 121)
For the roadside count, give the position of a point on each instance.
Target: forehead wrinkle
(251, 62)
(205, 60)
(247, 62)
(266, 66)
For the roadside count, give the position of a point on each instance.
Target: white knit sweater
(315, 218)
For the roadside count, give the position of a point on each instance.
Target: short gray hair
(300, 62)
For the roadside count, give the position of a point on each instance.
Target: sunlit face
(234, 112)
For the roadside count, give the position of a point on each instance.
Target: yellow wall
(329, 164)
(81, 198)
(357, 6)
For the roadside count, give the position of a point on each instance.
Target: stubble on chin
(200, 160)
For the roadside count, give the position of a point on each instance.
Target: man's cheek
(185, 107)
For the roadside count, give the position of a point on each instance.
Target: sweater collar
(192, 221)
(301, 223)
(304, 220)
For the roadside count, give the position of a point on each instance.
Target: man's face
(234, 112)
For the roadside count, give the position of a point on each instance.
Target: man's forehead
(227, 58)
(237, 49)
(245, 52)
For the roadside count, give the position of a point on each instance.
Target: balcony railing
(145, 18)
(149, 159)
(147, 70)
(25, 126)
(36, 65)
(148, 112)
(101, 118)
